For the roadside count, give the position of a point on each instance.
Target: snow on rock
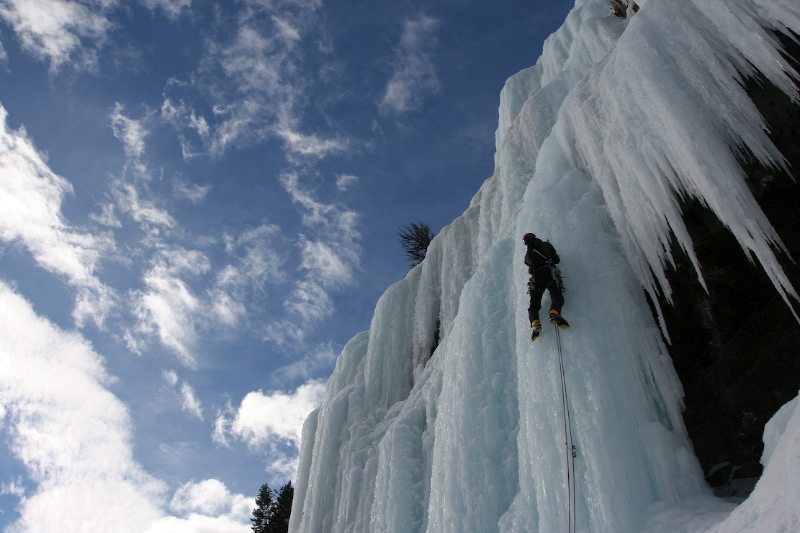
(774, 505)
(596, 146)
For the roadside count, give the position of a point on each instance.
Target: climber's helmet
(528, 238)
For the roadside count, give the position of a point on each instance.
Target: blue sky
(199, 204)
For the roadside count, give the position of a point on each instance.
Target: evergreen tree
(282, 510)
(415, 239)
(270, 515)
(263, 511)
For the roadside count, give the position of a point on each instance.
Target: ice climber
(541, 259)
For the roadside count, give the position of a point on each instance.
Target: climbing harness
(569, 447)
(557, 277)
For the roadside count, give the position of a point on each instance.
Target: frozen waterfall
(596, 145)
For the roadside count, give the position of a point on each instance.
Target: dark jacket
(540, 253)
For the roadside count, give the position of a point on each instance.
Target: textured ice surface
(596, 145)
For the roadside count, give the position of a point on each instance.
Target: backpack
(551, 252)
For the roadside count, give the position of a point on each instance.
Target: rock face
(734, 381)
(619, 8)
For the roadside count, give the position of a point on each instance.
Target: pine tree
(415, 239)
(282, 510)
(263, 511)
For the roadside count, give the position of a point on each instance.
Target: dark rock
(736, 347)
(619, 8)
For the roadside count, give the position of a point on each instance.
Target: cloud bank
(73, 437)
(70, 433)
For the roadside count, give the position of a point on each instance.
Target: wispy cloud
(414, 76)
(14, 487)
(345, 181)
(319, 358)
(329, 257)
(167, 307)
(334, 220)
(257, 260)
(185, 393)
(107, 216)
(260, 257)
(267, 422)
(60, 31)
(191, 191)
(171, 8)
(309, 145)
(184, 297)
(330, 266)
(255, 81)
(170, 377)
(134, 200)
(130, 132)
(190, 403)
(31, 195)
(192, 128)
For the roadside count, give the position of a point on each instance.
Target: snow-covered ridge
(596, 145)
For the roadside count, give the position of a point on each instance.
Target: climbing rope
(569, 447)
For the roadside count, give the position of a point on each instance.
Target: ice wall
(596, 144)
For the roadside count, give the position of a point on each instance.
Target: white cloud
(324, 263)
(171, 8)
(130, 132)
(107, 216)
(263, 418)
(12, 488)
(286, 30)
(186, 121)
(190, 402)
(171, 377)
(176, 312)
(73, 438)
(414, 75)
(31, 195)
(72, 435)
(198, 523)
(266, 421)
(60, 31)
(221, 425)
(226, 296)
(191, 191)
(345, 181)
(211, 497)
(309, 144)
(145, 212)
(167, 307)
